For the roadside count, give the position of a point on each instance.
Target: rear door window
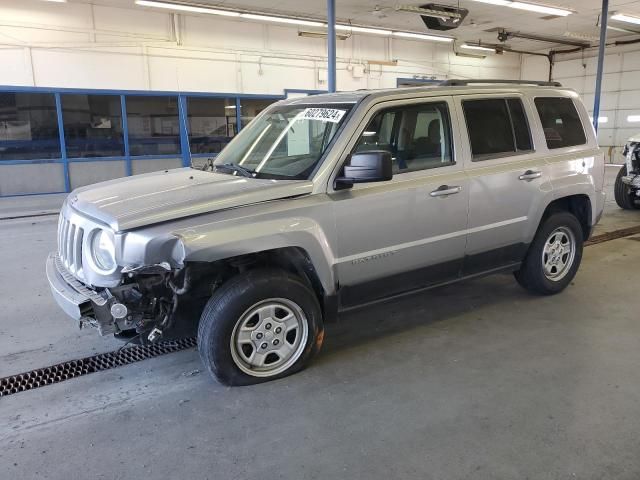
(497, 127)
(560, 121)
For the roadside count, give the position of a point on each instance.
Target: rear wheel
(625, 198)
(259, 326)
(554, 256)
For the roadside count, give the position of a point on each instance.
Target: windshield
(285, 142)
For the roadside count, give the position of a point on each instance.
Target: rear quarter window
(560, 122)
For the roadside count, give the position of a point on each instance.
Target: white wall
(620, 88)
(91, 46)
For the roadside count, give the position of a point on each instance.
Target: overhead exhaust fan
(436, 16)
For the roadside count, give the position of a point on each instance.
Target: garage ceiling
(480, 25)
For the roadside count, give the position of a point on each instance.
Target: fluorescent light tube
(186, 8)
(292, 21)
(534, 7)
(478, 47)
(621, 17)
(600, 119)
(501, 3)
(420, 36)
(633, 118)
(353, 28)
(56, 1)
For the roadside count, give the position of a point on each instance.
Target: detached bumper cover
(71, 295)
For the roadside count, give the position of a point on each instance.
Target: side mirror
(366, 167)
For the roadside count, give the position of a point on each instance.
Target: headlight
(103, 251)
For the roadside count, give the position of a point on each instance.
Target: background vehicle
(627, 187)
(328, 203)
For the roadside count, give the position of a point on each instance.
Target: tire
(537, 272)
(257, 310)
(624, 196)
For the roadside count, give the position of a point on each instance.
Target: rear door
(507, 179)
(409, 232)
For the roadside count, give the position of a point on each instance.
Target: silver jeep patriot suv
(331, 202)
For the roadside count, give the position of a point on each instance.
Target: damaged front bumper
(77, 300)
(71, 295)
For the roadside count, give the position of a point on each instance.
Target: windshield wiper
(236, 168)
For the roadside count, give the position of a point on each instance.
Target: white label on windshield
(324, 114)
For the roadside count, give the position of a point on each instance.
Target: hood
(634, 139)
(141, 200)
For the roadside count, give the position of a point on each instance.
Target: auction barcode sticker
(325, 114)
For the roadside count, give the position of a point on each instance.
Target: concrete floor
(477, 380)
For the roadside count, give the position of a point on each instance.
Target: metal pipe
(331, 44)
(603, 43)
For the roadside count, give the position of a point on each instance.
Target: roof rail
(462, 83)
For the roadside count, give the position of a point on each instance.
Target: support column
(331, 42)
(604, 17)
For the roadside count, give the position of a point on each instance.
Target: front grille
(70, 238)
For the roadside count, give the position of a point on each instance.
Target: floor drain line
(84, 366)
(608, 236)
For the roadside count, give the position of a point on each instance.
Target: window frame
(501, 155)
(587, 138)
(353, 134)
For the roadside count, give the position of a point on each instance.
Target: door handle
(530, 175)
(444, 190)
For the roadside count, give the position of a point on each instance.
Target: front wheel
(554, 256)
(625, 198)
(259, 326)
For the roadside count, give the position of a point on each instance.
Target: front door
(407, 233)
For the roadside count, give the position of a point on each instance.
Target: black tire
(532, 275)
(624, 196)
(226, 308)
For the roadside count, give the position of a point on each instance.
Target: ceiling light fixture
(316, 34)
(466, 46)
(621, 17)
(532, 7)
(633, 118)
(186, 8)
(421, 36)
(354, 28)
(291, 21)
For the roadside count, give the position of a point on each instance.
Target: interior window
(417, 136)
(560, 122)
(497, 127)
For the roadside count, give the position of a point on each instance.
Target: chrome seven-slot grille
(70, 237)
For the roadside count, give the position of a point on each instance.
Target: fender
(253, 234)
